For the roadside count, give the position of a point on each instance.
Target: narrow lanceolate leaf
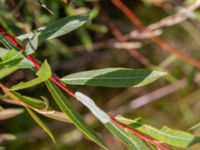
(9, 113)
(72, 114)
(30, 101)
(7, 71)
(113, 77)
(43, 74)
(166, 135)
(41, 123)
(32, 44)
(132, 141)
(56, 115)
(57, 28)
(35, 104)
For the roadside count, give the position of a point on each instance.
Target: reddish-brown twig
(132, 51)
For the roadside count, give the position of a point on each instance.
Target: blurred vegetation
(80, 50)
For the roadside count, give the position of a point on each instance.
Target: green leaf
(166, 135)
(7, 71)
(32, 44)
(132, 141)
(113, 77)
(11, 58)
(40, 123)
(85, 38)
(2, 51)
(35, 104)
(72, 114)
(30, 101)
(43, 74)
(57, 28)
(23, 64)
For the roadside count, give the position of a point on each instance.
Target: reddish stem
(10, 38)
(163, 44)
(35, 63)
(141, 135)
(133, 52)
(55, 79)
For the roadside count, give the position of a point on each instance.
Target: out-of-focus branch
(162, 43)
(183, 14)
(113, 43)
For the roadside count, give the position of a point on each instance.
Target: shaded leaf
(32, 102)
(41, 123)
(113, 77)
(57, 28)
(85, 38)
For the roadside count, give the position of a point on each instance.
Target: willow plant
(17, 54)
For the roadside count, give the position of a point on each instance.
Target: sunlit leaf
(32, 44)
(7, 71)
(43, 74)
(24, 63)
